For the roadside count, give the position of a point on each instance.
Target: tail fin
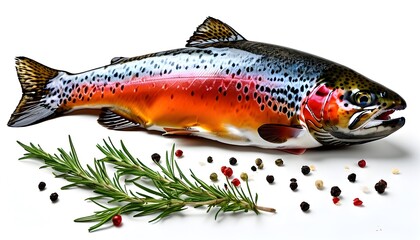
(33, 78)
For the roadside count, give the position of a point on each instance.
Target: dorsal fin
(213, 30)
(117, 59)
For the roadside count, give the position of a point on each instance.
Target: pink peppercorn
(179, 153)
(236, 182)
(357, 202)
(362, 163)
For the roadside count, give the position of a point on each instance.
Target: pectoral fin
(277, 133)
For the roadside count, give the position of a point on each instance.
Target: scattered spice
(362, 163)
(336, 200)
(319, 184)
(335, 191)
(41, 186)
(244, 176)
(156, 157)
(236, 182)
(312, 167)
(352, 177)
(305, 170)
(54, 197)
(293, 180)
(293, 186)
(227, 171)
(395, 171)
(209, 159)
(233, 161)
(261, 166)
(258, 161)
(279, 162)
(304, 206)
(380, 186)
(357, 202)
(179, 153)
(116, 220)
(269, 178)
(226, 186)
(213, 177)
(254, 168)
(365, 189)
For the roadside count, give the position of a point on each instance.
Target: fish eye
(363, 98)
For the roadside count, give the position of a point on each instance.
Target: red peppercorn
(228, 172)
(223, 169)
(178, 153)
(357, 202)
(236, 182)
(116, 220)
(362, 163)
(336, 200)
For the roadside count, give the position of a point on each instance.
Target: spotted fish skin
(220, 87)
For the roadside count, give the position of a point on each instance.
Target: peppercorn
(258, 161)
(279, 162)
(156, 157)
(54, 197)
(116, 220)
(269, 178)
(362, 163)
(336, 200)
(41, 186)
(209, 159)
(352, 177)
(293, 180)
(236, 182)
(304, 206)
(179, 153)
(380, 186)
(227, 171)
(261, 166)
(244, 176)
(305, 170)
(253, 168)
(213, 177)
(319, 184)
(335, 191)
(293, 186)
(357, 202)
(233, 161)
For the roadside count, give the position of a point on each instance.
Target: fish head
(347, 108)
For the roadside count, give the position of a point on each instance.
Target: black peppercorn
(304, 206)
(305, 170)
(41, 186)
(270, 178)
(335, 191)
(380, 186)
(156, 157)
(209, 159)
(293, 180)
(293, 186)
(254, 168)
(352, 177)
(54, 197)
(233, 161)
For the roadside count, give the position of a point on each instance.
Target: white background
(377, 38)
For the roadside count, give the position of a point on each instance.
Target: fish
(222, 87)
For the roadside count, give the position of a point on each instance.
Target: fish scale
(222, 87)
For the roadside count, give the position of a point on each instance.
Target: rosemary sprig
(161, 192)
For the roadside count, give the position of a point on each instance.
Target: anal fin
(117, 120)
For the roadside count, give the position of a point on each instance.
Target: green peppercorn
(213, 177)
(233, 161)
(244, 176)
(209, 159)
(305, 170)
(304, 206)
(261, 166)
(258, 162)
(335, 191)
(352, 177)
(279, 162)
